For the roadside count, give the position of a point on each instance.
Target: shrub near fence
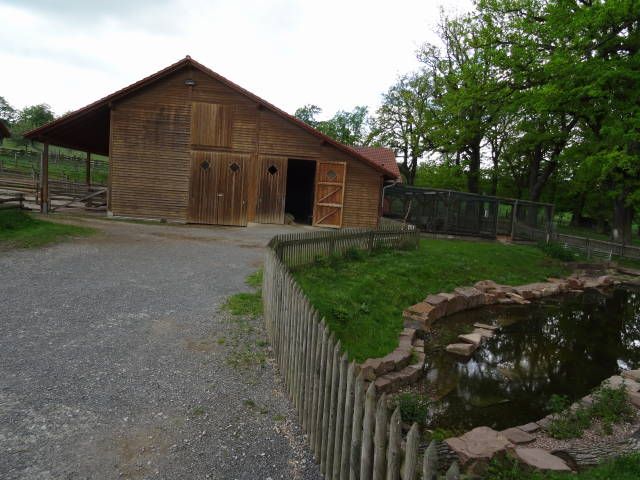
(349, 428)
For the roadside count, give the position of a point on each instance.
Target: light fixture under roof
(189, 82)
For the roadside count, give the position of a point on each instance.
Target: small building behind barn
(188, 145)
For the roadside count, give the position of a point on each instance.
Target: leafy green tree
(350, 128)
(7, 112)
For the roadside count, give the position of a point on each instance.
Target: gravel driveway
(117, 361)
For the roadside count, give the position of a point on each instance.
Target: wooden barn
(186, 144)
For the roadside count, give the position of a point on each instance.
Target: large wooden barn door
(329, 198)
(272, 189)
(217, 190)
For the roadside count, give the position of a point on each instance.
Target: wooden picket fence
(349, 427)
(303, 248)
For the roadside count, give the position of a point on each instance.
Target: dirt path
(116, 360)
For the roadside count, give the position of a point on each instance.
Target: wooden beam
(44, 179)
(88, 170)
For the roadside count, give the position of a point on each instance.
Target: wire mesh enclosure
(460, 213)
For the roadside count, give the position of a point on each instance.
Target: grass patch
(362, 299)
(247, 304)
(19, 229)
(610, 406)
(413, 407)
(622, 468)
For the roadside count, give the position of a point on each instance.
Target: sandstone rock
(632, 375)
(516, 298)
(418, 344)
(486, 285)
(478, 446)
(634, 398)
(530, 427)
(532, 290)
(473, 297)
(485, 326)
(439, 304)
(455, 303)
(464, 349)
(545, 422)
(383, 384)
(490, 298)
(484, 333)
(474, 338)
(517, 436)
(574, 283)
(541, 459)
(369, 368)
(616, 381)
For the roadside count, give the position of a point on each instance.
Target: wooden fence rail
(588, 246)
(350, 429)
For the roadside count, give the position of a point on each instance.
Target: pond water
(560, 345)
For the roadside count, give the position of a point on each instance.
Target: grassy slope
(20, 230)
(363, 300)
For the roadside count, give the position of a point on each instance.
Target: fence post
(588, 244)
(411, 454)
(380, 439)
(368, 427)
(340, 412)
(514, 217)
(430, 462)
(393, 450)
(356, 430)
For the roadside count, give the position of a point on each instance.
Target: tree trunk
(622, 220)
(473, 179)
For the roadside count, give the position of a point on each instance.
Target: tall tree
(346, 127)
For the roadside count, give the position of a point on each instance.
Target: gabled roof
(383, 156)
(4, 130)
(42, 132)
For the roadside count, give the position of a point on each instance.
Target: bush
(611, 405)
(557, 251)
(413, 407)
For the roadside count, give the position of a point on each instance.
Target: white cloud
(336, 54)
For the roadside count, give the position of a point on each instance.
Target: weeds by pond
(362, 297)
(609, 405)
(622, 468)
(19, 229)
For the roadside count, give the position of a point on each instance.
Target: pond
(562, 345)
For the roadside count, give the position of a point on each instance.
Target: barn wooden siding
(154, 134)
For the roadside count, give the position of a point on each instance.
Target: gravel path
(116, 360)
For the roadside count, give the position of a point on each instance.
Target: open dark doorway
(301, 176)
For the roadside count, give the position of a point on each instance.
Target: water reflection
(565, 345)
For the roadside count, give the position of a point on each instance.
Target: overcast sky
(334, 53)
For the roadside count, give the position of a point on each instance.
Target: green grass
(362, 300)
(623, 468)
(247, 304)
(18, 229)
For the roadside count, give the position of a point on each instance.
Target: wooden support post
(44, 180)
(88, 169)
(514, 218)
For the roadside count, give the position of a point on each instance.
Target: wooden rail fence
(588, 246)
(348, 425)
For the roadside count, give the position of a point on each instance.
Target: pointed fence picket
(350, 430)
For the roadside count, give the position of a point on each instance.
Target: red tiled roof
(382, 156)
(41, 132)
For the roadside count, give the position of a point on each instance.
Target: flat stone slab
(464, 349)
(479, 444)
(616, 381)
(631, 375)
(485, 326)
(517, 436)
(531, 427)
(541, 459)
(474, 338)
(484, 333)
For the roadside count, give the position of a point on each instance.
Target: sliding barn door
(272, 189)
(218, 188)
(329, 197)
